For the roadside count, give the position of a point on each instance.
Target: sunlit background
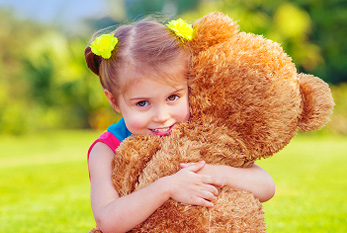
(52, 106)
(44, 77)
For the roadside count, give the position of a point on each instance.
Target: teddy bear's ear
(212, 29)
(317, 103)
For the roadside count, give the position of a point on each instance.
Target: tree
(312, 32)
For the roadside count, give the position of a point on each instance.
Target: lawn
(44, 185)
(311, 186)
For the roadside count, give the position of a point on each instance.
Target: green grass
(311, 186)
(44, 185)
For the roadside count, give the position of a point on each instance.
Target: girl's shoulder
(113, 136)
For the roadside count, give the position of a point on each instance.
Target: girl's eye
(142, 103)
(172, 97)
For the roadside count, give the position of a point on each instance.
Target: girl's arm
(253, 179)
(120, 214)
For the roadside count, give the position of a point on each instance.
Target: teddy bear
(247, 101)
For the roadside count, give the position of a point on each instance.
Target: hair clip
(103, 45)
(181, 28)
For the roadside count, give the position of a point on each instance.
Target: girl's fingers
(207, 195)
(184, 165)
(196, 167)
(211, 189)
(202, 202)
(211, 180)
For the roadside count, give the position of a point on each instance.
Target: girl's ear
(112, 100)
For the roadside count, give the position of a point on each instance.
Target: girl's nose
(161, 115)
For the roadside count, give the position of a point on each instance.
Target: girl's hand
(253, 179)
(208, 169)
(188, 187)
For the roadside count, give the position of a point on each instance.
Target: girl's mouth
(162, 131)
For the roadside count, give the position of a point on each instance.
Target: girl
(143, 70)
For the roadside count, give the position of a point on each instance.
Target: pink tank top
(114, 135)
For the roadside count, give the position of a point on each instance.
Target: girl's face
(152, 107)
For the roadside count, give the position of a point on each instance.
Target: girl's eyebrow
(138, 98)
(179, 89)
(145, 98)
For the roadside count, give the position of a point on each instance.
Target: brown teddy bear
(247, 102)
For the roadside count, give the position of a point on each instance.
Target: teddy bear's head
(248, 85)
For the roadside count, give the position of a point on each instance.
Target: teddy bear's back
(249, 85)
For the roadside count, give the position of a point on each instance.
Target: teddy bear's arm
(226, 215)
(131, 158)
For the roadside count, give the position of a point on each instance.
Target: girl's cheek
(136, 122)
(184, 112)
(187, 114)
(187, 109)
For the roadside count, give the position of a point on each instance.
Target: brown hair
(145, 47)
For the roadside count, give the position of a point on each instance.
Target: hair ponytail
(93, 61)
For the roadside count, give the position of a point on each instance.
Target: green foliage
(329, 30)
(136, 8)
(338, 124)
(14, 87)
(312, 32)
(44, 184)
(45, 84)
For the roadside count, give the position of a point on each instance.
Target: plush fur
(247, 102)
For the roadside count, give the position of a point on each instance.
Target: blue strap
(119, 130)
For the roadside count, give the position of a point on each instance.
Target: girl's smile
(163, 131)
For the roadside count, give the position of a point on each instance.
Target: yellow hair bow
(103, 45)
(181, 28)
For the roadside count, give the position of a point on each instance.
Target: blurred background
(52, 107)
(44, 82)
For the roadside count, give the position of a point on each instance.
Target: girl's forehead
(152, 89)
(147, 82)
(173, 76)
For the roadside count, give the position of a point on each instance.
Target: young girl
(143, 70)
